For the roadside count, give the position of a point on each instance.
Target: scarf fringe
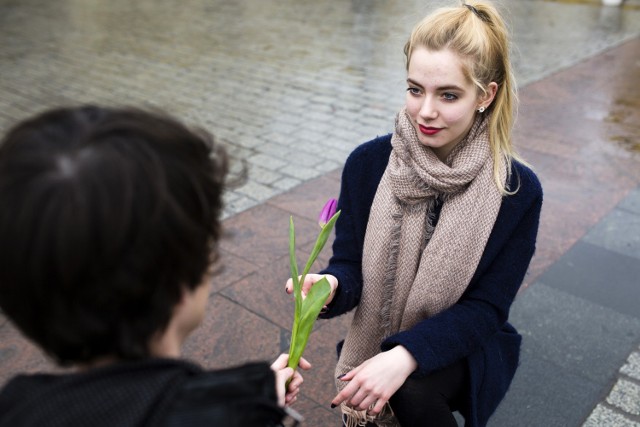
(390, 271)
(394, 250)
(354, 418)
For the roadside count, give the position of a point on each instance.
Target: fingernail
(333, 405)
(340, 376)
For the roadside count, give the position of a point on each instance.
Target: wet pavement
(292, 87)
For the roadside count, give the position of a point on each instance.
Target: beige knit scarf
(412, 271)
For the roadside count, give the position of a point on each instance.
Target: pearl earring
(481, 110)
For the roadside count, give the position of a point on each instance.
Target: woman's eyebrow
(413, 82)
(439, 88)
(450, 87)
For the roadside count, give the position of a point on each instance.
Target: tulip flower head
(307, 310)
(328, 211)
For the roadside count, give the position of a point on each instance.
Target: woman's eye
(413, 90)
(449, 96)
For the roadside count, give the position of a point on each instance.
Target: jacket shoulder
(367, 162)
(244, 395)
(523, 177)
(378, 149)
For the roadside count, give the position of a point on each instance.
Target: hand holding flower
(288, 381)
(312, 279)
(317, 292)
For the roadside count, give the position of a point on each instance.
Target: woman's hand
(310, 280)
(283, 373)
(376, 380)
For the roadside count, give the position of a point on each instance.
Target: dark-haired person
(109, 220)
(438, 226)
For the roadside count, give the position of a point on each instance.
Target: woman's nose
(428, 109)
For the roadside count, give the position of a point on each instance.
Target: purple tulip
(327, 212)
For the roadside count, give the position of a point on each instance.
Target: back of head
(476, 32)
(105, 216)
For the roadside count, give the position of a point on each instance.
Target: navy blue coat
(476, 327)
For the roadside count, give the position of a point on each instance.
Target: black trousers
(431, 401)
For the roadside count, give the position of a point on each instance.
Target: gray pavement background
(581, 326)
(292, 85)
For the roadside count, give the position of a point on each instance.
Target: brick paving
(292, 87)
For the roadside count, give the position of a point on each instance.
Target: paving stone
(599, 275)
(545, 394)
(603, 416)
(256, 191)
(632, 367)
(286, 183)
(571, 346)
(301, 173)
(267, 161)
(231, 335)
(620, 232)
(238, 204)
(579, 335)
(324, 166)
(631, 203)
(300, 159)
(626, 396)
(263, 176)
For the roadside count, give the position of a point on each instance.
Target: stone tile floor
(293, 87)
(295, 79)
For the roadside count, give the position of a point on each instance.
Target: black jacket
(148, 393)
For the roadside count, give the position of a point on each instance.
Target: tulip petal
(327, 212)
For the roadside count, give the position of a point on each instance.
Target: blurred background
(272, 78)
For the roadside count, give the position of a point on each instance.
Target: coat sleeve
(483, 309)
(362, 173)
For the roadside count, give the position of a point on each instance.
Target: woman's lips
(429, 130)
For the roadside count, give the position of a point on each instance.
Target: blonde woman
(438, 226)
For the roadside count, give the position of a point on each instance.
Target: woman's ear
(486, 98)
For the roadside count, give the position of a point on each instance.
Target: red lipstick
(429, 130)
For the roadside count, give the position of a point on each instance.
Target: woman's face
(441, 101)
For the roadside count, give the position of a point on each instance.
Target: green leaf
(307, 311)
(320, 242)
(297, 288)
(293, 263)
(311, 307)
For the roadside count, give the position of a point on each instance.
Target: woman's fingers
(309, 281)
(378, 407)
(360, 397)
(347, 392)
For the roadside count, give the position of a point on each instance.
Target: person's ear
(486, 98)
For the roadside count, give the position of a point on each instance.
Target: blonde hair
(478, 34)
